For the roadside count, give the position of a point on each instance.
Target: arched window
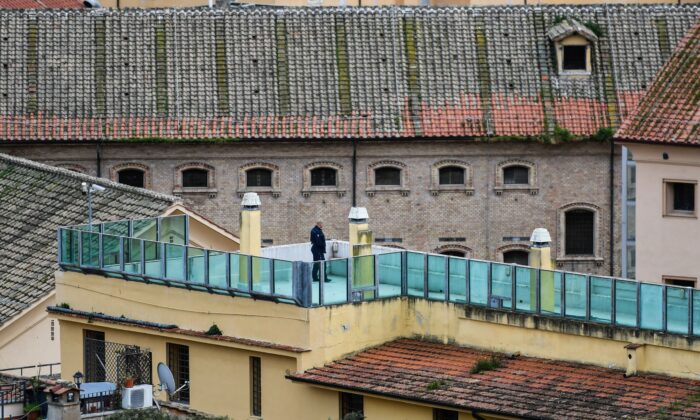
(195, 178)
(516, 175)
(132, 177)
(453, 253)
(324, 177)
(451, 175)
(579, 225)
(258, 177)
(387, 175)
(516, 256)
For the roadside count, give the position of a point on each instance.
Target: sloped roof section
(670, 110)
(523, 387)
(568, 27)
(93, 75)
(40, 4)
(35, 200)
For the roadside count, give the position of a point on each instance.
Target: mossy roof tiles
(36, 199)
(323, 72)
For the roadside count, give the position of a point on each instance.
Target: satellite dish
(167, 381)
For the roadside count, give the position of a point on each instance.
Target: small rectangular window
(351, 404)
(679, 198)
(179, 364)
(574, 58)
(680, 281)
(580, 233)
(255, 387)
(259, 178)
(387, 176)
(195, 178)
(440, 414)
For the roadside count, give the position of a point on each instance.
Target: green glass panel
(120, 228)
(110, 253)
(217, 269)
(651, 307)
(389, 274)
(153, 259)
(458, 279)
(601, 299)
(69, 246)
(145, 229)
(677, 309)
(575, 296)
(174, 262)
(437, 277)
(502, 283)
(415, 273)
(90, 249)
(335, 290)
(195, 265)
(525, 289)
(239, 270)
(696, 312)
(478, 282)
(173, 230)
(261, 274)
(132, 255)
(550, 292)
(283, 278)
(626, 303)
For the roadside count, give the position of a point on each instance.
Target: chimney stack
(360, 238)
(250, 224)
(541, 257)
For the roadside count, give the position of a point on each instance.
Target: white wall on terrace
(302, 252)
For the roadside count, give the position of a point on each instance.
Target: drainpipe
(98, 160)
(354, 172)
(612, 208)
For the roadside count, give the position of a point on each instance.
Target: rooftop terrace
(155, 251)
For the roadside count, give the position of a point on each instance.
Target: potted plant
(32, 410)
(129, 381)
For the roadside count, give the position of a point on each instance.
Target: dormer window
(573, 44)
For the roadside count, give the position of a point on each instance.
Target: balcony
(155, 251)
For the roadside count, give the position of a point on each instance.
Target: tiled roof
(525, 387)
(670, 110)
(322, 73)
(40, 4)
(35, 200)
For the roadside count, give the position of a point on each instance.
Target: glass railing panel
(195, 265)
(153, 259)
(132, 256)
(145, 229)
(90, 249)
(525, 289)
(626, 303)
(677, 300)
(651, 306)
(550, 292)
(239, 270)
(175, 262)
(316, 271)
(437, 277)
(502, 283)
(478, 282)
(120, 228)
(575, 301)
(601, 299)
(415, 273)
(217, 269)
(458, 280)
(261, 274)
(696, 312)
(110, 253)
(335, 290)
(173, 229)
(283, 278)
(69, 246)
(389, 274)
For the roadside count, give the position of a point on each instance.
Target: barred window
(322, 177)
(580, 233)
(440, 414)
(516, 256)
(351, 405)
(258, 177)
(451, 175)
(255, 387)
(94, 355)
(132, 177)
(516, 175)
(387, 176)
(193, 178)
(179, 364)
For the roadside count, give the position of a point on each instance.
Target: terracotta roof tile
(670, 111)
(40, 4)
(322, 72)
(523, 386)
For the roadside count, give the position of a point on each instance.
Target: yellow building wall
(26, 340)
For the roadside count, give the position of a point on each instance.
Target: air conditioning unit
(139, 396)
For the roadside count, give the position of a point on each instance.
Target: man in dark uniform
(318, 249)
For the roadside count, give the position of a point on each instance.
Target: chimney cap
(358, 213)
(250, 199)
(540, 236)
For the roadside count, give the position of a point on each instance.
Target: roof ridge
(87, 178)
